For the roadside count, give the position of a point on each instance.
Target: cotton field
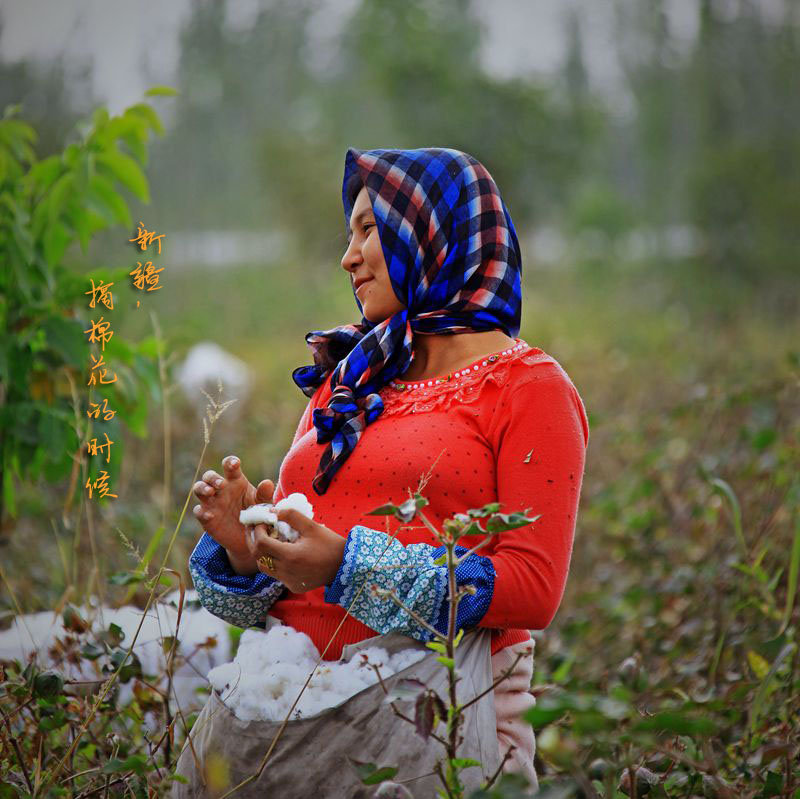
(203, 643)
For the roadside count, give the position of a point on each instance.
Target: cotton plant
(429, 707)
(270, 669)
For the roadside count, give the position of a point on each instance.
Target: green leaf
(541, 716)
(436, 646)
(100, 117)
(147, 113)
(446, 661)
(757, 663)
(48, 684)
(509, 521)
(381, 774)
(135, 763)
(152, 546)
(54, 722)
(126, 171)
(45, 172)
(675, 723)
(132, 666)
(9, 791)
(791, 587)
(66, 338)
(486, 510)
(155, 91)
(126, 578)
(369, 773)
(384, 510)
(9, 494)
(758, 701)
(56, 239)
(91, 652)
(474, 529)
(59, 194)
(108, 201)
(464, 762)
(167, 643)
(724, 489)
(561, 674)
(113, 636)
(56, 428)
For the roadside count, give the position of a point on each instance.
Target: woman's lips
(361, 283)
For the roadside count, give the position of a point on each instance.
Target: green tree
(45, 206)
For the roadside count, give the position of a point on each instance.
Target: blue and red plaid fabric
(454, 261)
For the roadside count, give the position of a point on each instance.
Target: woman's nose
(352, 256)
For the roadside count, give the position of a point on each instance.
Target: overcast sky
(133, 45)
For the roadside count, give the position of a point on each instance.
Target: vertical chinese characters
(100, 333)
(145, 275)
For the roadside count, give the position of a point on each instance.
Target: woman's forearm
(245, 566)
(240, 599)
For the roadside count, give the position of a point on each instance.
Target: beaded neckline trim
(476, 366)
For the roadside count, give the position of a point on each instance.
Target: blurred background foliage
(660, 247)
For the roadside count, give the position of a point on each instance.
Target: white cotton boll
(298, 502)
(362, 662)
(225, 678)
(324, 679)
(271, 668)
(279, 677)
(205, 364)
(262, 513)
(265, 513)
(258, 650)
(290, 646)
(404, 659)
(252, 655)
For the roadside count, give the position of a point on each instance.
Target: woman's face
(364, 261)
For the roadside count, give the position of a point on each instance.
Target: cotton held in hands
(265, 513)
(270, 669)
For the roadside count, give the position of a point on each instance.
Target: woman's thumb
(265, 491)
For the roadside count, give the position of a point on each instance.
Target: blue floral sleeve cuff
(234, 598)
(418, 582)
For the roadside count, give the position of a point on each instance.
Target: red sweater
(510, 428)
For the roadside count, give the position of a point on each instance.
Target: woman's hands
(305, 564)
(221, 501)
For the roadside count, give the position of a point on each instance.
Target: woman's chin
(376, 317)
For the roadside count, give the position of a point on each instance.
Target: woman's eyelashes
(364, 228)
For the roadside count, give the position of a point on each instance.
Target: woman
(433, 382)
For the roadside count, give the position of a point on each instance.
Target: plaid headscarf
(453, 260)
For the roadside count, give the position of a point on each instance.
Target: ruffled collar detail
(460, 386)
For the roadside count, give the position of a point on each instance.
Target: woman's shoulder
(537, 381)
(481, 382)
(534, 364)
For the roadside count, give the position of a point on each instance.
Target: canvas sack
(310, 758)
